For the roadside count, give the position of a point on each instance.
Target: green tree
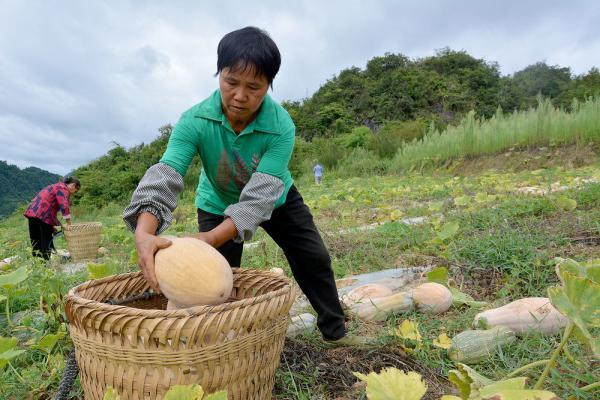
(541, 78)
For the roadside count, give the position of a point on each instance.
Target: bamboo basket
(83, 240)
(141, 349)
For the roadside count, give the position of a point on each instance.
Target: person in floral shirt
(42, 212)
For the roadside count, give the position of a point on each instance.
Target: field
(496, 224)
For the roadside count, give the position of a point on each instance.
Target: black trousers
(40, 234)
(292, 227)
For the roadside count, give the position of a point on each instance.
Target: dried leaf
(408, 330)
(442, 341)
(393, 384)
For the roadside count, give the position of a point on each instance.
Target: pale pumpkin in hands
(191, 272)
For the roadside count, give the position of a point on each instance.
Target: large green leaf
(565, 203)
(590, 269)
(507, 384)
(14, 278)
(184, 392)
(7, 343)
(7, 356)
(579, 299)
(99, 270)
(448, 230)
(462, 200)
(481, 197)
(393, 384)
(467, 380)
(46, 343)
(220, 395)
(7, 351)
(460, 298)
(438, 275)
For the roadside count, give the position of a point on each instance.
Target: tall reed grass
(544, 125)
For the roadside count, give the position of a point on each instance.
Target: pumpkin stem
(526, 367)
(591, 386)
(554, 356)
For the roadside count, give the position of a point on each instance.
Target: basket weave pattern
(83, 240)
(141, 349)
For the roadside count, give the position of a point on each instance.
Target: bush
(393, 135)
(328, 152)
(361, 162)
(359, 137)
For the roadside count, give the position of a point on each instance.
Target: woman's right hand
(147, 245)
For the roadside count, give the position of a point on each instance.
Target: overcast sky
(76, 76)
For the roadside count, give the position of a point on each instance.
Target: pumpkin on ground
(432, 298)
(378, 309)
(365, 293)
(523, 316)
(191, 272)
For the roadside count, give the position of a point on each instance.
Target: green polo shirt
(230, 159)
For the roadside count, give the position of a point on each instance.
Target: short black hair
(249, 47)
(70, 179)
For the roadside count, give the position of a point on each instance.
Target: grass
(541, 126)
(503, 250)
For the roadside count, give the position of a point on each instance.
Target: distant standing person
(318, 171)
(42, 212)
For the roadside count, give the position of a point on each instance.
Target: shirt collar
(265, 121)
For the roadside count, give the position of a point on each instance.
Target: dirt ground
(529, 159)
(335, 367)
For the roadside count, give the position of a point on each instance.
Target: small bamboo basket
(141, 350)
(83, 240)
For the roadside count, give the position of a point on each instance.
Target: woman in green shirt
(245, 141)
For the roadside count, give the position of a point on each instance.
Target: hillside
(441, 89)
(360, 120)
(18, 186)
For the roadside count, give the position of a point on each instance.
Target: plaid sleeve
(157, 194)
(63, 203)
(256, 204)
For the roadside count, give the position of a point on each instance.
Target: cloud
(78, 75)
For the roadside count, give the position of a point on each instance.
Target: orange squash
(432, 298)
(191, 272)
(523, 316)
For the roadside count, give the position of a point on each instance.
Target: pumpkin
(475, 346)
(523, 316)
(365, 293)
(379, 308)
(432, 298)
(191, 272)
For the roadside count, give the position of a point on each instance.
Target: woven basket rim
(74, 297)
(82, 225)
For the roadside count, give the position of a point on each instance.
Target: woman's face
(242, 93)
(72, 188)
